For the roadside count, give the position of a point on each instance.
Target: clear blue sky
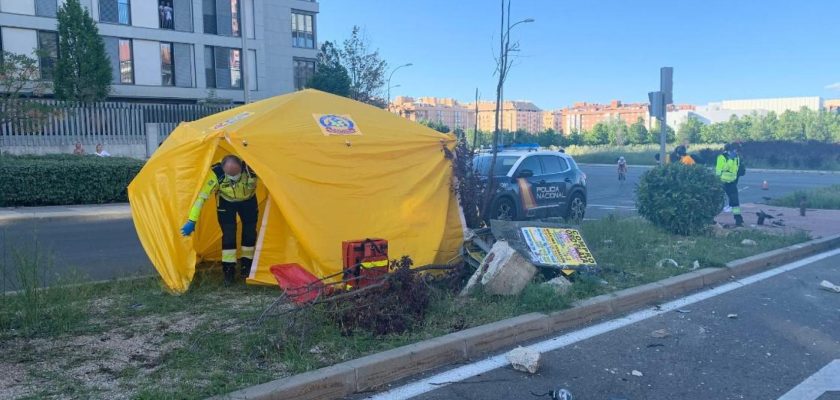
(596, 51)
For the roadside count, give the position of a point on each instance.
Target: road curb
(791, 171)
(375, 370)
(44, 217)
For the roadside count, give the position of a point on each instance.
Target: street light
(389, 79)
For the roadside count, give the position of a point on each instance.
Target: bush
(680, 199)
(65, 179)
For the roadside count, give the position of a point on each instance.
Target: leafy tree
(790, 127)
(366, 69)
(83, 70)
(637, 133)
(330, 75)
(548, 137)
(19, 81)
(712, 133)
(689, 130)
(655, 132)
(575, 138)
(599, 134)
(617, 132)
(438, 126)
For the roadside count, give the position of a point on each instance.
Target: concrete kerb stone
(381, 368)
(332, 382)
(378, 369)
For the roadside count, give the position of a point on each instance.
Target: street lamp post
(389, 79)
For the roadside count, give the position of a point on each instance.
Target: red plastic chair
(298, 284)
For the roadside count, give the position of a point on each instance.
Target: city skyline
(725, 54)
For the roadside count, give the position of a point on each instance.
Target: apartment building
(582, 117)
(553, 120)
(444, 111)
(181, 50)
(515, 116)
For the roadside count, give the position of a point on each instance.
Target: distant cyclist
(622, 169)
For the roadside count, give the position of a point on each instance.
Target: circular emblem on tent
(332, 124)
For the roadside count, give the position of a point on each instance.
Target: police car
(534, 184)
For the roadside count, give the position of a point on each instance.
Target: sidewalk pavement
(789, 171)
(817, 223)
(84, 212)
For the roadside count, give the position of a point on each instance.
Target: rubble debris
(683, 311)
(732, 316)
(829, 286)
(507, 272)
(667, 262)
(524, 359)
(748, 242)
(637, 373)
(560, 284)
(660, 333)
(695, 265)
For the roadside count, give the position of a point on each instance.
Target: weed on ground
(134, 340)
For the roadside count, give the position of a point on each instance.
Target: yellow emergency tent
(331, 169)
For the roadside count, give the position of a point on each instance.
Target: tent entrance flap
(261, 237)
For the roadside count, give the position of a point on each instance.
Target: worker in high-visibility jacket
(727, 169)
(235, 185)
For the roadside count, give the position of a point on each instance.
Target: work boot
(229, 271)
(739, 220)
(244, 268)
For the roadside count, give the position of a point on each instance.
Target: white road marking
(825, 380)
(470, 370)
(611, 206)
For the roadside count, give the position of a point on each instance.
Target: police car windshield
(503, 164)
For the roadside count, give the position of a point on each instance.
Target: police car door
(554, 183)
(528, 184)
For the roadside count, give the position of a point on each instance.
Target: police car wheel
(504, 210)
(577, 208)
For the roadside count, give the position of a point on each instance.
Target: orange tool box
(365, 261)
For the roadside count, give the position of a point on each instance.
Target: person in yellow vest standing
(727, 169)
(235, 185)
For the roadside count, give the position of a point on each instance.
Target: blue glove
(188, 228)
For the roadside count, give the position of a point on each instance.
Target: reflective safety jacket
(727, 168)
(687, 160)
(234, 191)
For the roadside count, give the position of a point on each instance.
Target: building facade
(582, 117)
(777, 105)
(553, 120)
(832, 105)
(181, 50)
(515, 116)
(444, 111)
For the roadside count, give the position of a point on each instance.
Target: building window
(126, 62)
(304, 70)
(115, 11)
(166, 14)
(167, 69)
(47, 53)
(46, 8)
(303, 30)
(222, 67)
(221, 17)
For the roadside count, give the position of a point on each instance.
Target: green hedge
(680, 199)
(65, 179)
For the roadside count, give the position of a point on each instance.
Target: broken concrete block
(830, 286)
(748, 242)
(508, 272)
(560, 284)
(524, 359)
(476, 276)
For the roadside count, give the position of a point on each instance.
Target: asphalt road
(786, 330)
(109, 248)
(607, 196)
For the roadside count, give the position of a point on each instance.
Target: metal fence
(65, 123)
